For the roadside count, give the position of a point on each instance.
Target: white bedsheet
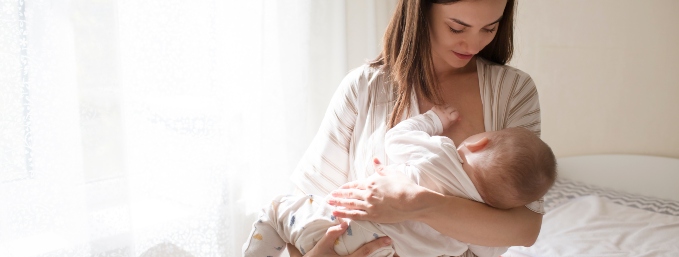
(594, 226)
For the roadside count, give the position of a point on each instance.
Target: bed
(610, 205)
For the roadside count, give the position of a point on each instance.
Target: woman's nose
(473, 44)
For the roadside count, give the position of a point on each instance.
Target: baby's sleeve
(415, 139)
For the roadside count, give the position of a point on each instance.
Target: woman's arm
(477, 223)
(325, 164)
(394, 198)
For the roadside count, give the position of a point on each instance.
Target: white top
(353, 129)
(433, 162)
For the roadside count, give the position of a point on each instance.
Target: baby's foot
(447, 114)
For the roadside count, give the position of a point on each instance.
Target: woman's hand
(387, 198)
(325, 247)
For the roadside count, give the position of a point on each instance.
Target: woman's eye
(490, 30)
(454, 30)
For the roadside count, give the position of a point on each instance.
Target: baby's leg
(294, 219)
(303, 221)
(264, 239)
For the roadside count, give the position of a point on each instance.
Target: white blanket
(594, 226)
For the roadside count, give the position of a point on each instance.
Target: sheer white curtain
(156, 127)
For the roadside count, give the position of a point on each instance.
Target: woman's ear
(478, 145)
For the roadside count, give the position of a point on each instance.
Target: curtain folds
(156, 128)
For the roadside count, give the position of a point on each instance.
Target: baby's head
(510, 167)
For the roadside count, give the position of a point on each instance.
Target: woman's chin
(458, 63)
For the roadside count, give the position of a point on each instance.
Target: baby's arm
(416, 137)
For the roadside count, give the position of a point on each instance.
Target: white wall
(366, 22)
(606, 71)
(347, 34)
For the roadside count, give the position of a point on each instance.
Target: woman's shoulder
(365, 76)
(366, 84)
(363, 83)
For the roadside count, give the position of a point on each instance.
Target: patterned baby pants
(302, 221)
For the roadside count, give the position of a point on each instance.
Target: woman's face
(461, 30)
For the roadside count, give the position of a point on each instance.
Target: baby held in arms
(505, 169)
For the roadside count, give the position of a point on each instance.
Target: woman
(435, 52)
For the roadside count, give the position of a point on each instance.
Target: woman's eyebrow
(467, 25)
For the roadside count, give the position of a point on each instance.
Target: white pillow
(594, 226)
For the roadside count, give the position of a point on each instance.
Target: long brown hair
(406, 52)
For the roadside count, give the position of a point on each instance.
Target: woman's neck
(444, 71)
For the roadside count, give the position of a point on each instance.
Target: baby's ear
(478, 145)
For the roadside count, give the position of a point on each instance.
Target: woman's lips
(463, 56)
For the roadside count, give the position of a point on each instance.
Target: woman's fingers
(332, 234)
(351, 204)
(371, 247)
(354, 184)
(326, 246)
(353, 199)
(350, 214)
(293, 252)
(351, 193)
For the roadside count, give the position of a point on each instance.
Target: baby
(508, 168)
(505, 169)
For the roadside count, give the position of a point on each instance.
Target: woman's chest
(466, 99)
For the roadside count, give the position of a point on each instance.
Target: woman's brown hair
(406, 52)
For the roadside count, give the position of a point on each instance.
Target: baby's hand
(447, 114)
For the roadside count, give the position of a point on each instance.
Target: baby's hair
(517, 168)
